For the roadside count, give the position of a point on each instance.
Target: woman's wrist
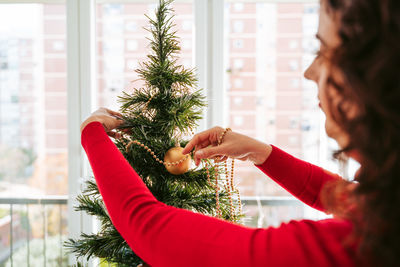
(90, 120)
(261, 153)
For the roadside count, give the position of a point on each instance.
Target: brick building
(267, 47)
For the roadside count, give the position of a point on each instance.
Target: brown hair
(369, 59)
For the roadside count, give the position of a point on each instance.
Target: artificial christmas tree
(157, 118)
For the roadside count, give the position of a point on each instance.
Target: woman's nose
(311, 72)
(307, 73)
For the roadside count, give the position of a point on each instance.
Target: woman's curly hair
(369, 59)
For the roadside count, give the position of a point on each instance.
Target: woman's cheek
(330, 127)
(326, 104)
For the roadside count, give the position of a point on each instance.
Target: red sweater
(167, 236)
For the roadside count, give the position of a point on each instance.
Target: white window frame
(81, 101)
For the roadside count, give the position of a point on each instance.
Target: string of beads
(174, 163)
(229, 186)
(217, 173)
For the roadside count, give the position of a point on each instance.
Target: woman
(357, 72)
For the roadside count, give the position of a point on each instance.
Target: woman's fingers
(216, 152)
(112, 112)
(108, 118)
(196, 140)
(110, 123)
(205, 138)
(220, 159)
(199, 147)
(209, 152)
(115, 135)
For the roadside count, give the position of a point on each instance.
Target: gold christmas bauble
(175, 162)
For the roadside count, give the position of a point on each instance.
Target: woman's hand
(234, 145)
(110, 120)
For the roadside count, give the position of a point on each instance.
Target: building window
(238, 26)
(132, 45)
(238, 120)
(238, 43)
(238, 7)
(131, 26)
(239, 83)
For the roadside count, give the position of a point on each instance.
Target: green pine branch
(109, 246)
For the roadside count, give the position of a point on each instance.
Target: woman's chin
(329, 131)
(341, 138)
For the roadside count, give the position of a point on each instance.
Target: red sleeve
(166, 236)
(302, 179)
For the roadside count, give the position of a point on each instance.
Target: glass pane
(33, 131)
(122, 45)
(268, 47)
(33, 107)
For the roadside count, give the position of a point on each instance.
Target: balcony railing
(33, 229)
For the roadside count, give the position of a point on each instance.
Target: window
(33, 130)
(238, 26)
(122, 46)
(33, 112)
(238, 43)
